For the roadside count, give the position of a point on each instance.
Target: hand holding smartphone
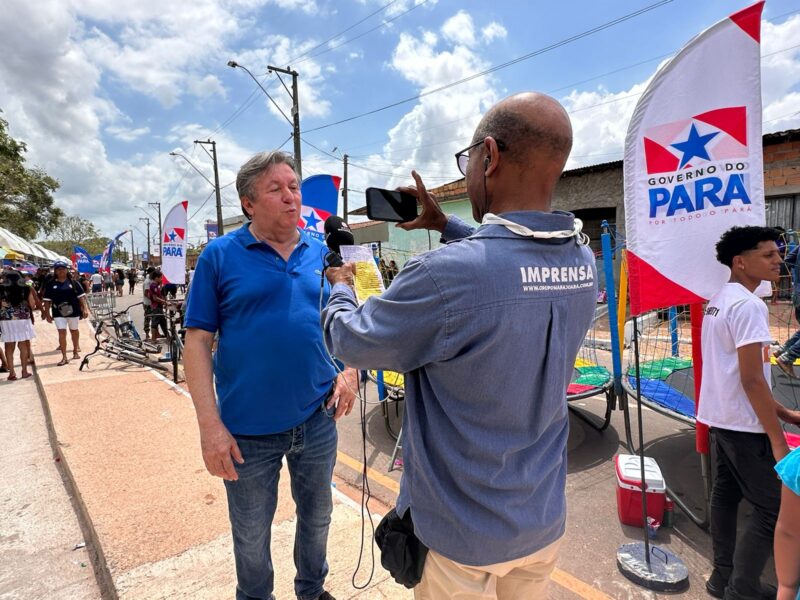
(389, 205)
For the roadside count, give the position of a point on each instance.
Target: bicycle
(125, 345)
(174, 317)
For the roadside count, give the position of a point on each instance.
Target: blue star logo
(312, 220)
(695, 146)
(172, 236)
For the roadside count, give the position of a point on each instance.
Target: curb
(102, 573)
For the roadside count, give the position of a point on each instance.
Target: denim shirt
(486, 330)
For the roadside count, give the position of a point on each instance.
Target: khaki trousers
(525, 578)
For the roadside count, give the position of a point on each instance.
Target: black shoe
(326, 596)
(716, 584)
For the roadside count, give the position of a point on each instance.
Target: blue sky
(103, 91)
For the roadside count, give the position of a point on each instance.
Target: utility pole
(133, 251)
(295, 115)
(147, 220)
(160, 230)
(344, 191)
(213, 144)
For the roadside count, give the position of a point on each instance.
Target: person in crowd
(65, 304)
(384, 269)
(85, 284)
(31, 283)
(146, 304)
(16, 322)
(131, 281)
(273, 390)
(119, 281)
(158, 303)
(485, 382)
(170, 290)
(743, 416)
(787, 529)
(108, 281)
(97, 282)
(393, 270)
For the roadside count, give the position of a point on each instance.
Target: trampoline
(668, 387)
(591, 374)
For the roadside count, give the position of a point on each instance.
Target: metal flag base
(664, 572)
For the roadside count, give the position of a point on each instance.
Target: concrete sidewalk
(129, 438)
(41, 543)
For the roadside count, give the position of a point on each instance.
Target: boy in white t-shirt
(736, 402)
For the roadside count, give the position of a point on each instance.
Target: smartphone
(388, 205)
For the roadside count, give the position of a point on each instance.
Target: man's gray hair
(253, 168)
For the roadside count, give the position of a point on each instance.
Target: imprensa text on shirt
(553, 278)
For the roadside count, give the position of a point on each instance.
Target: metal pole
(295, 113)
(147, 220)
(296, 125)
(160, 228)
(611, 299)
(213, 144)
(220, 231)
(344, 191)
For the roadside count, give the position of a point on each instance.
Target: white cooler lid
(629, 472)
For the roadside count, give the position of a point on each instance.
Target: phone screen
(388, 205)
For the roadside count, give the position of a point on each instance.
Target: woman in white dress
(16, 309)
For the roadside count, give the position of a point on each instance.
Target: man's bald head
(531, 126)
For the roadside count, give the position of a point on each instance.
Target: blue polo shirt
(271, 368)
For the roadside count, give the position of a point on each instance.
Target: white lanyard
(576, 231)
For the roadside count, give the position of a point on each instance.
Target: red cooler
(629, 494)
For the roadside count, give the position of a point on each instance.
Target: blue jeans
(310, 451)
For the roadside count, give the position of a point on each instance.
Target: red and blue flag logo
(320, 201)
(174, 235)
(712, 136)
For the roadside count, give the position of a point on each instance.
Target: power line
(504, 65)
(584, 108)
(368, 31)
(341, 33)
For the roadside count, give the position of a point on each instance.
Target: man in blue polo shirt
(486, 330)
(277, 390)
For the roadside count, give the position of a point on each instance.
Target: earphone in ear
(486, 162)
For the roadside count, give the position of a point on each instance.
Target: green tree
(74, 231)
(26, 194)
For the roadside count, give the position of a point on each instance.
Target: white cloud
(459, 29)
(439, 124)
(126, 134)
(280, 50)
(493, 31)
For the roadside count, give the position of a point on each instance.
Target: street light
(295, 121)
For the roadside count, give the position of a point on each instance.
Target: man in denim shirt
(486, 330)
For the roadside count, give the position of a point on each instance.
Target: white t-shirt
(97, 279)
(191, 275)
(733, 318)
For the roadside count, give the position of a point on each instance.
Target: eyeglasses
(462, 157)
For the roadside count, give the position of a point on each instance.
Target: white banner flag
(173, 256)
(693, 164)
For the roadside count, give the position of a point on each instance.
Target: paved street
(157, 522)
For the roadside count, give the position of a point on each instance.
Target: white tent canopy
(13, 242)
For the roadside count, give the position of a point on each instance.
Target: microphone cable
(366, 493)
